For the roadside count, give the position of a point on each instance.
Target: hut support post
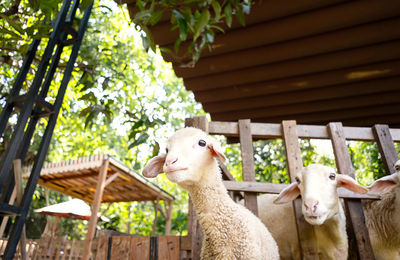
(168, 219)
(95, 209)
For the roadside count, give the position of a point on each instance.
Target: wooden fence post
(386, 147)
(357, 228)
(305, 231)
(246, 148)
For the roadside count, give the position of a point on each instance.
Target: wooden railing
(245, 132)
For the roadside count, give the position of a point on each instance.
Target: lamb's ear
(349, 183)
(216, 151)
(288, 194)
(384, 184)
(154, 166)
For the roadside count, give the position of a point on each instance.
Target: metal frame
(35, 107)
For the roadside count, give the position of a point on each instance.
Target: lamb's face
(317, 185)
(190, 158)
(187, 152)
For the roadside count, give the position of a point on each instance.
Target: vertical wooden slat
(386, 147)
(305, 231)
(120, 247)
(246, 148)
(140, 248)
(194, 229)
(168, 247)
(354, 208)
(168, 218)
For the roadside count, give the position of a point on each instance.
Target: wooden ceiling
(315, 61)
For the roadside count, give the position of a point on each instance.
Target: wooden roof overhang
(314, 61)
(78, 178)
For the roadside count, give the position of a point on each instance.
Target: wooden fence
(246, 132)
(113, 247)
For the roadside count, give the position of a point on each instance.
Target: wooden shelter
(102, 178)
(313, 61)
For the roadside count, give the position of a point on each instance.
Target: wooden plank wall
(246, 132)
(138, 247)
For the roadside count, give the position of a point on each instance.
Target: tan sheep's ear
(154, 166)
(216, 151)
(288, 194)
(350, 184)
(384, 184)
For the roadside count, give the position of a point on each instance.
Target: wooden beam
(356, 221)
(308, 95)
(347, 38)
(312, 107)
(20, 193)
(248, 171)
(345, 76)
(299, 67)
(95, 209)
(305, 231)
(386, 147)
(273, 131)
(276, 188)
(261, 11)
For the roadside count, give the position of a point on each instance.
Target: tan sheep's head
(190, 155)
(318, 185)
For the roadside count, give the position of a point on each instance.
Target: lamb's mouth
(175, 170)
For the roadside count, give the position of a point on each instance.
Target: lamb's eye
(166, 150)
(297, 180)
(332, 176)
(202, 143)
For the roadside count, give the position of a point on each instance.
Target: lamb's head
(387, 183)
(317, 185)
(190, 157)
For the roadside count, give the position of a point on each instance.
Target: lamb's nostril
(311, 206)
(171, 161)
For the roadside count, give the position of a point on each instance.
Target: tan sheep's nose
(311, 205)
(171, 161)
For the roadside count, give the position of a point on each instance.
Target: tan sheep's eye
(332, 176)
(166, 150)
(297, 180)
(202, 143)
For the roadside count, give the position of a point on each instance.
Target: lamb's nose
(311, 205)
(171, 161)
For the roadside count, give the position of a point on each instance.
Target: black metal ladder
(32, 106)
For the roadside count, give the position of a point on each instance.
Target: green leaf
(217, 9)
(228, 14)
(182, 24)
(156, 149)
(201, 23)
(16, 24)
(240, 17)
(85, 4)
(156, 17)
(140, 140)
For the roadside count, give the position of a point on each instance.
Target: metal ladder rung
(9, 210)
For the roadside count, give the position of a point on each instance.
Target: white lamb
(383, 216)
(230, 230)
(321, 207)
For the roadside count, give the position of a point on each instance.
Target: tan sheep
(230, 230)
(317, 184)
(382, 217)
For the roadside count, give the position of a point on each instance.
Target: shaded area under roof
(314, 61)
(78, 178)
